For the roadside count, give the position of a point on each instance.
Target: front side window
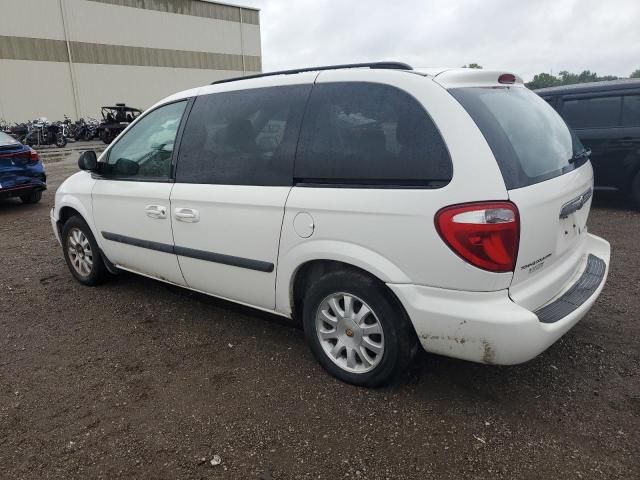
(530, 141)
(244, 137)
(358, 133)
(595, 112)
(145, 151)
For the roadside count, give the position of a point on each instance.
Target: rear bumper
(15, 182)
(489, 327)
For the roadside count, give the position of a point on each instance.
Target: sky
(522, 36)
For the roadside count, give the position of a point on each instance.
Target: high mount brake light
(507, 78)
(485, 234)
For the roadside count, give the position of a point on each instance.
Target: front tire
(356, 329)
(81, 252)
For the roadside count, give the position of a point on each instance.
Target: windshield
(530, 141)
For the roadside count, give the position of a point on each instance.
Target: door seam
(173, 238)
(275, 284)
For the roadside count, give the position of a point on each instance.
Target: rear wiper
(586, 153)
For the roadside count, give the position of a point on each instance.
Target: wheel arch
(65, 213)
(313, 256)
(308, 272)
(71, 203)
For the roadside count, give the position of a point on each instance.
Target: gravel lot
(136, 379)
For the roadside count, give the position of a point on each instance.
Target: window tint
(370, 134)
(529, 139)
(146, 149)
(592, 112)
(245, 137)
(631, 111)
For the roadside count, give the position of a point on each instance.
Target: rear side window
(595, 112)
(357, 133)
(529, 139)
(245, 137)
(631, 111)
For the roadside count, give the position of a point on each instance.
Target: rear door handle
(188, 215)
(156, 211)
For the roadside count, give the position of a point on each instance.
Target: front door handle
(188, 215)
(156, 211)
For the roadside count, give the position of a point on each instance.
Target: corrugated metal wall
(136, 51)
(189, 7)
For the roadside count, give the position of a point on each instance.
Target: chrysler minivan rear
(540, 234)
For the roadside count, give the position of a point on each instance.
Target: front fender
(75, 193)
(368, 260)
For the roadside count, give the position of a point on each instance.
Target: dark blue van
(606, 118)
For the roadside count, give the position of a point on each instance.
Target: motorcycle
(85, 129)
(68, 127)
(42, 132)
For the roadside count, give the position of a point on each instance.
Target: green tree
(635, 74)
(543, 80)
(473, 65)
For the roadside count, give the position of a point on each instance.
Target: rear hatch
(549, 179)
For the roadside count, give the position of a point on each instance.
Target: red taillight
(507, 78)
(33, 155)
(485, 234)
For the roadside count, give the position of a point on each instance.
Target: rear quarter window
(357, 133)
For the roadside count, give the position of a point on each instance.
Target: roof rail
(374, 65)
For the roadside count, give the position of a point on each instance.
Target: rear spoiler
(470, 77)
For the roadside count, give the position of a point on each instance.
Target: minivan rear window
(530, 141)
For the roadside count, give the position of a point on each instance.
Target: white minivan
(381, 206)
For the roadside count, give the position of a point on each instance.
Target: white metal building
(71, 57)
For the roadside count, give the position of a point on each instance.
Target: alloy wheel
(80, 253)
(350, 333)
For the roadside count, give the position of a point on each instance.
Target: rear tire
(81, 252)
(33, 197)
(356, 329)
(61, 140)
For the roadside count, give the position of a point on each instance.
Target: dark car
(21, 171)
(606, 118)
(115, 120)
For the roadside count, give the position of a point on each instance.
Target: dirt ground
(136, 379)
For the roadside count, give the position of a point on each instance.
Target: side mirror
(88, 161)
(126, 167)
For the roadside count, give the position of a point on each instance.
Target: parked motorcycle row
(42, 132)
